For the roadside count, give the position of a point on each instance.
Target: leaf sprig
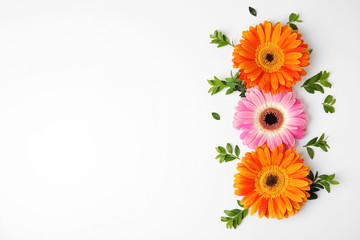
(293, 17)
(233, 83)
(234, 217)
(320, 182)
(227, 154)
(220, 39)
(328, 104)
(315, 142)
(312, 84)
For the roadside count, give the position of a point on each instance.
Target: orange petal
(271, 208)
(293, 168)
(274, 80)
(267, 31)
(298, 183)
(263, 207)
(276, 33)
(261, 34)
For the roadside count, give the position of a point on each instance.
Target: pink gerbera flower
(272, 119)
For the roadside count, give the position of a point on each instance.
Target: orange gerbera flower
(272, 182)
(271, 57)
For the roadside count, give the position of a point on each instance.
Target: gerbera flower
(273, 182)
(271, 57)
(271, 119)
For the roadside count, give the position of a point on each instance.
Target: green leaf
(215, 115)
(330, 177)
(229, 158)
(312, 141)
(239, 219)
(229, 91)
(319, 88)
(310, 152)
(235, 211)
(229, 148)
(323, 148)
(237, 150)
(221, 149)
(323, 176)
(310, 176)
(327, 186)
(244, 213)
(309, 89)
(239, 203)
(293, 26)
(229, 224)
(293, 17)
(252, 11)
(229, 213)
(333, 182)
(310, 51)
(225, 219)
(328, 99)
(312, 196)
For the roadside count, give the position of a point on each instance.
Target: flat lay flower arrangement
(272, 180)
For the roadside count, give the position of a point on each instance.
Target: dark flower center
(269, 57)
(271, 119)
(271, 180)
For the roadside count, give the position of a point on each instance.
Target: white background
(105, 124)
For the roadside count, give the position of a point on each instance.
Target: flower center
(269, 57)
(271, 181)
(271, 119)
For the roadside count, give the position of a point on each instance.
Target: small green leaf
(235, 211)
(229, 213)
(229, 224)
(244, 213)
(310, 152)
(310, 51)
(293, 26)
(311, 176)
(229, 148)
(309, 89)
(328, 99)
(293, 17)
(312, 141)
(252, 11)
(229, 91)
(327, 186)
(225, 219)
(333, 182)
(229, 158)
(237, 150)
(323, 148)
(221, 149)
(215, 115)
(239, 219)
(239, 203)
(330, 177)
(323, 176)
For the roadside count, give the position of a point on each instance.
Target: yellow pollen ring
(271, 181)
(269, 57)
